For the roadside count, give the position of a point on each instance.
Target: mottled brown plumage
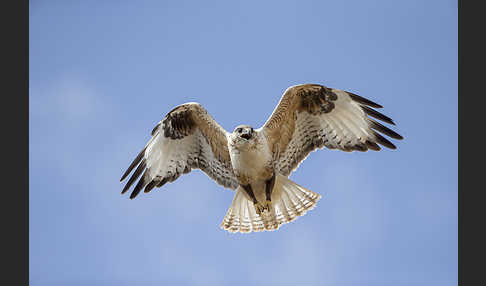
(257, 162)
(310, 98)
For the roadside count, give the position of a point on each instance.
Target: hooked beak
(247, 136)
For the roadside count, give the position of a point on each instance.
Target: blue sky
(103, 73)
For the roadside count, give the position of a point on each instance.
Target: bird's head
(243, 135)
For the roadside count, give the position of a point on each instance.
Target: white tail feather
(289, 201)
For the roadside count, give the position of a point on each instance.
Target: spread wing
(312, 116)
(187, 138)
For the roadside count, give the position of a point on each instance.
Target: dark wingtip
(372, 145)
(141, 183)
(135, 176)
(363, 100)
(133, 164)
(383, 141)
(383, 129)
(150, 186)
(373, 113)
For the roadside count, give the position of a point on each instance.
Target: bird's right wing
(187, 138)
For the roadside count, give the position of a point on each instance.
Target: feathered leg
(250, 193)
(268, 192)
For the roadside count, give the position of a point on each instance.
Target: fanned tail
(289, 201)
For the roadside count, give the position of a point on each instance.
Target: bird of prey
(258, 162)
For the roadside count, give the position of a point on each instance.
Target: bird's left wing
(187, 138)
(311, 116)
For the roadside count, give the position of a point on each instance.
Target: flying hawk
(258, 162)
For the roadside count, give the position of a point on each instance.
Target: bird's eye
(239, 130)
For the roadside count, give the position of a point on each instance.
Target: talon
(267, 205)
(258, 208)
